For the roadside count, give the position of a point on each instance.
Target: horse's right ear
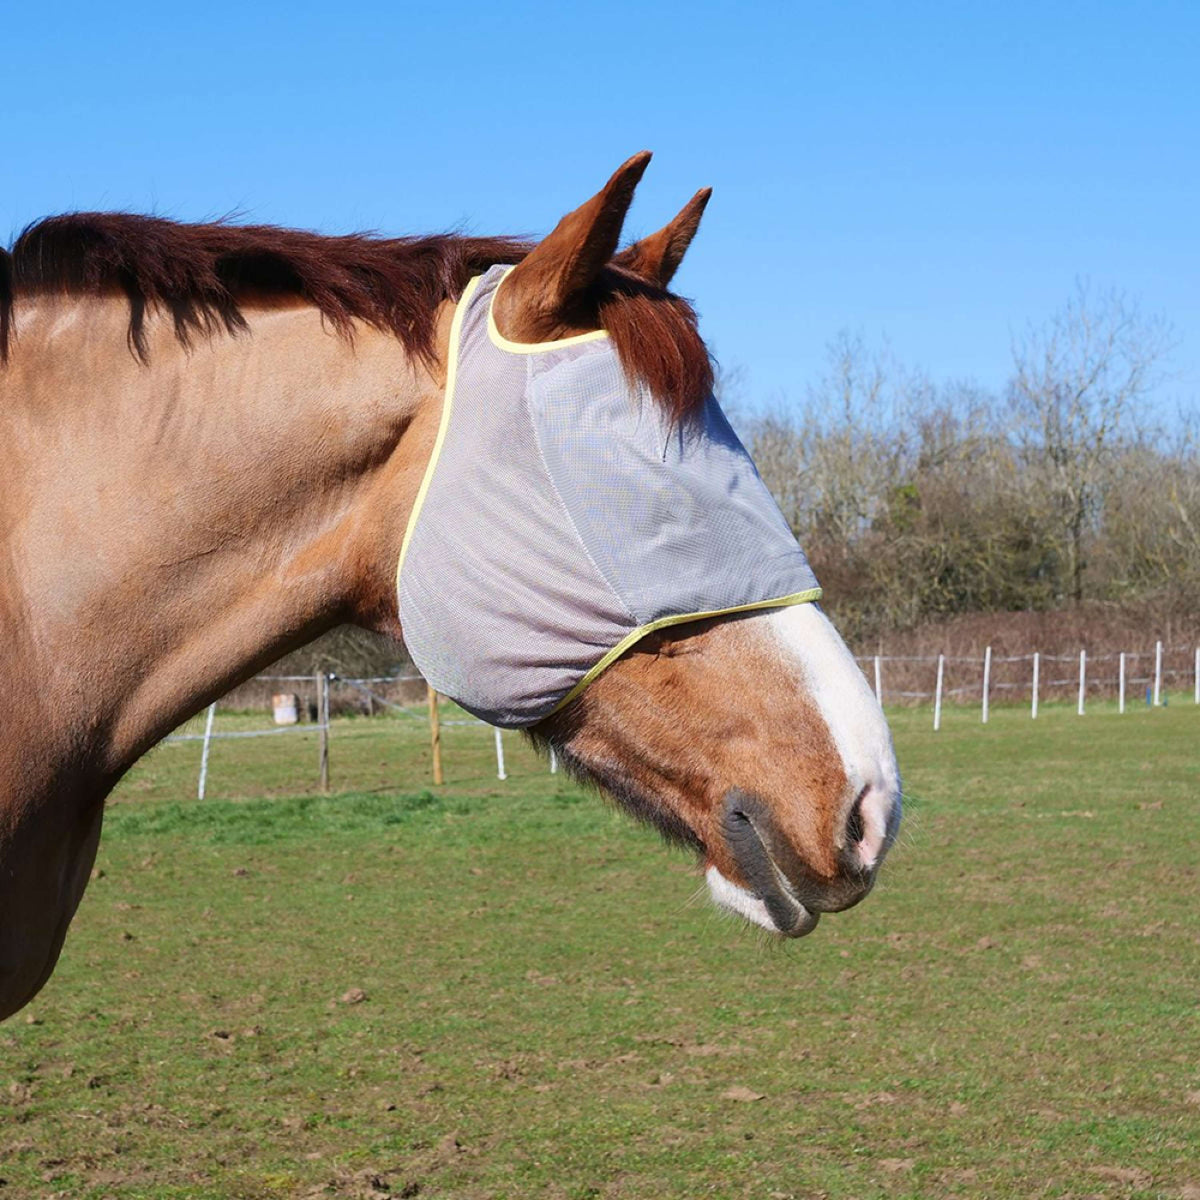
(546, 291)
(657, 257)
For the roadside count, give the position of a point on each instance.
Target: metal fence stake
(208, 726)
(500, 771)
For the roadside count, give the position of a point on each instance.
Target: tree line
(917, 501)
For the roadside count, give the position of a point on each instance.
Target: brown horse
(213, 439)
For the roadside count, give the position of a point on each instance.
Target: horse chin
(794, 920)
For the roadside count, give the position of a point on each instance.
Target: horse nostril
(854, 822)
(870, 826)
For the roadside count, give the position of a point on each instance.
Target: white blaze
(856, 723)
(812, 650)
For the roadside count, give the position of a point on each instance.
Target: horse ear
(543, 292)
(656, 257)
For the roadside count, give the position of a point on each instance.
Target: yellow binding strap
(444, 424)
(636, 636)
(499, 340)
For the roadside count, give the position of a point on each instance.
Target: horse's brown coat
(174, 518)
(673, 761)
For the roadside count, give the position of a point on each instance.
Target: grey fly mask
(561, 519)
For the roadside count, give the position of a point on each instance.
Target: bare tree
(918, 500)
(1075, 387)
(853, 438)
(347, 651)
(1151, 535)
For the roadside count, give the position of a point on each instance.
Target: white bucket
(286, 708)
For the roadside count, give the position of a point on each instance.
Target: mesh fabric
(563, 515)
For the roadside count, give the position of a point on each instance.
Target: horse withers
(216, 437)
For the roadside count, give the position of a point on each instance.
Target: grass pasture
(507, 990)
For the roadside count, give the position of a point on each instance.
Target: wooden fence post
(987, 679)
(937, 695)
(322, 681)
(1157, 674)
(435, 734)
(1037, 663)
(1121, 684)
(878, 682)
(1082, 678)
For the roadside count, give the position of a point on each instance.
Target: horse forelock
(201, 275)
(656, 336)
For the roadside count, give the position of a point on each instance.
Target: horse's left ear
(546, 290)
(656, 257)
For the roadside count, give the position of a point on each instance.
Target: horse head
(660, 630)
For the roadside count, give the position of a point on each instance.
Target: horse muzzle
(778, 883)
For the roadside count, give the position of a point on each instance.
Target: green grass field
(507, 990)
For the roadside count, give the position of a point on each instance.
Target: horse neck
(175, 526)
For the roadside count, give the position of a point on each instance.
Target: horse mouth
(781, 914)
(769, 900)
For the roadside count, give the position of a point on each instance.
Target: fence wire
(257, 708)
(279, 705)
(1124, 676)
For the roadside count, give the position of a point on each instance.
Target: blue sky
(935, 175)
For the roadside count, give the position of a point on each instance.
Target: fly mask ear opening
(548, 289)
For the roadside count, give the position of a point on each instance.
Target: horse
(214, 438)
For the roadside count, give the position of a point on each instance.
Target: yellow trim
(498, 339)
(444, 424)
(631, 639)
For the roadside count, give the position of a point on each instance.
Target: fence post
(1157, 674)
(987, 677)
(937, 695)
(1082, 678)
(500, 771)
(553, 762)
(1121, 684)
(208, 724)
(1037, 663)
(878, 682)
(322, 681)
(435, 733)
(1196, 676)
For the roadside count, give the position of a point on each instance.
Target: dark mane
(200, 274)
